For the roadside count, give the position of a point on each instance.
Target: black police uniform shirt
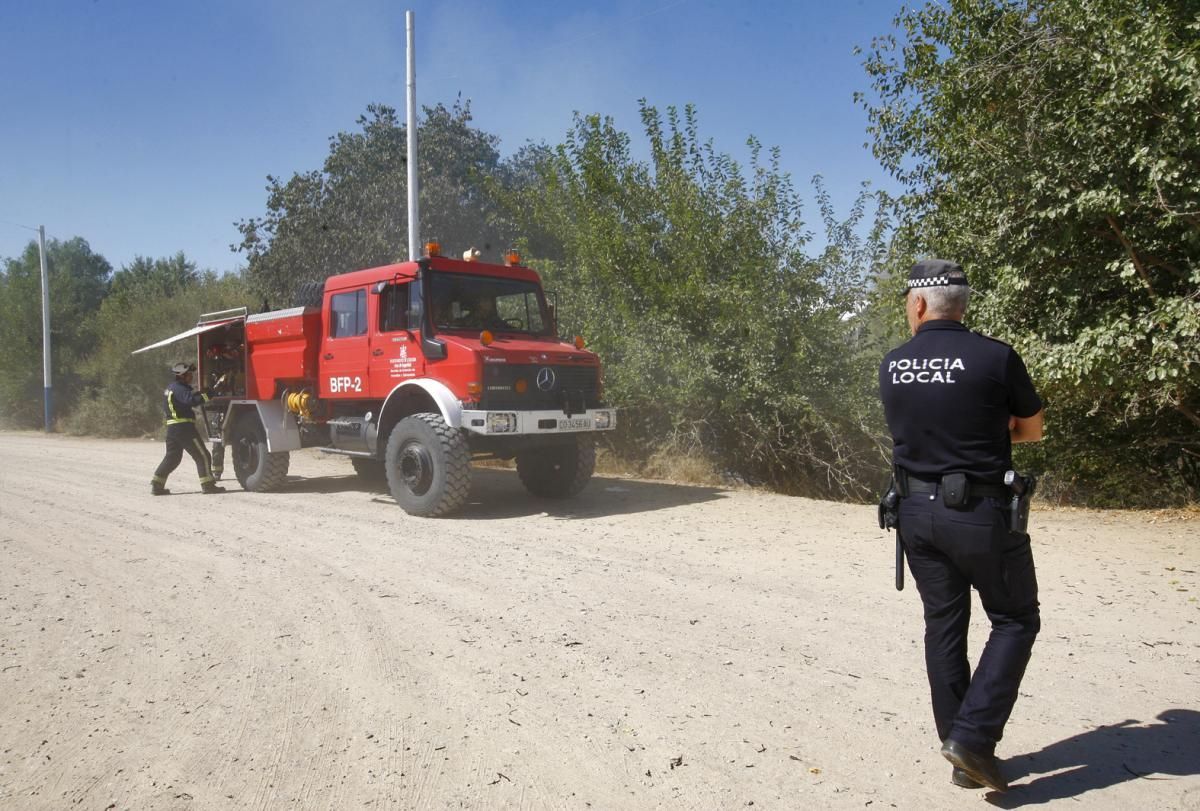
(948, 394)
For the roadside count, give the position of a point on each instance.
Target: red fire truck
(411, 370)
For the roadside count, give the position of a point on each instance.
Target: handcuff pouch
(956, 489)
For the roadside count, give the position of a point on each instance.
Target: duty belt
(916, 485)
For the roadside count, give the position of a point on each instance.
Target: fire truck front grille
(567, 388)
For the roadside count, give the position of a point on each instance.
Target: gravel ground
(645, 645)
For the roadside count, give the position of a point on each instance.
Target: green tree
(353, 212)
(151, 299)
(162, 277)
(689, 276)
(78, 282)
(1050, 145)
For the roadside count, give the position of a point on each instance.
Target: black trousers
(950, 551)
(183, 437)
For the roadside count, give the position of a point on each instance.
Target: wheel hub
(416, 469)
(245, 453)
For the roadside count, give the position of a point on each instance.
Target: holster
(1018, 515)
(889, 506)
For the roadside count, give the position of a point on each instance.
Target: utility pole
(414, 216)
(48, 392)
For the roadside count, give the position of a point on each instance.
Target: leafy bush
(151, 300)
(78, 282)
(1050, 146)
(719, 334)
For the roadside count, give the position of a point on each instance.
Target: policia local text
(924, 370)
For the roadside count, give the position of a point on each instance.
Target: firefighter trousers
(181, 437)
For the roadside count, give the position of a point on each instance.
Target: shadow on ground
(1106, 756)
(498, 494)
(350, 483)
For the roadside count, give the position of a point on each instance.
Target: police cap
(182, 368)
(934, 273)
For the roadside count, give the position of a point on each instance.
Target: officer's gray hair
(950, 300)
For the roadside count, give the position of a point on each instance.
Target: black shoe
(209, 488)
(157, 489)
(984, 769)
(963, 780)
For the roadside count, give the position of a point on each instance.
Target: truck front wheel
(428, 465)
(256, 469)
(560, 470)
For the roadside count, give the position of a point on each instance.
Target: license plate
(574, 422)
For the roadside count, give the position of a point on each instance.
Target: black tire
(561, 470)
(428, 465)
(309, 294)
(256, 469)
(369, 470)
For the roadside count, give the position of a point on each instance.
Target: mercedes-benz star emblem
(545, 378)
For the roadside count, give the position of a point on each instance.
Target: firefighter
(483, 315)
(178, 401)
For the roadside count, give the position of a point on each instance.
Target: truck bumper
(518, 423)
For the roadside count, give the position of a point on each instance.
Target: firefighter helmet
(183, 368)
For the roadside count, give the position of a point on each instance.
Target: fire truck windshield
(462, 301)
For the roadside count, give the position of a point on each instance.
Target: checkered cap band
(935, 281)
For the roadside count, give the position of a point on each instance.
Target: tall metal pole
(414, 215)
(47, 392)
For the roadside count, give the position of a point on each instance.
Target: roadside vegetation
(1049, 146)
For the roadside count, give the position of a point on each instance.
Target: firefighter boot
(211, 487)
(157, 489)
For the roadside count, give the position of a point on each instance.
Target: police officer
(955, 401)
(178, 402)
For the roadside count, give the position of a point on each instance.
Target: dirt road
(647, 645)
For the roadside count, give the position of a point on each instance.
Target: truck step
(340, 452)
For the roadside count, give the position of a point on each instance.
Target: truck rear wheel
(256, 469)
(428, 465)
(561, 470)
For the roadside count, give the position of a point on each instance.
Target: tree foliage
(78, 282)
(1051, 147)
(353, 212)
(689, 276)
(151, 299)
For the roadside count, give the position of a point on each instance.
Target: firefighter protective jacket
(179, 400)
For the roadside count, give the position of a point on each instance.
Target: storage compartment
(283, 347)
(222, 360)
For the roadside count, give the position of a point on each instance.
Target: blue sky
(149, 128)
